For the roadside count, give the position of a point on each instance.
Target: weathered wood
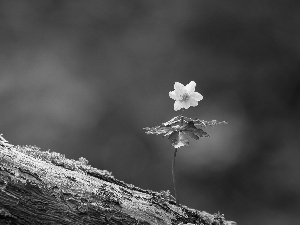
(42, 187)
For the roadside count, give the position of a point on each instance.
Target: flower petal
(197, 96)
(172, 95)
(178, 85)
(177, 105)
(179, 89)
(185, 104)
(193, 102)
(190, 88)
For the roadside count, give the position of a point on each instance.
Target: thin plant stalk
(174, 177)
(173, 170)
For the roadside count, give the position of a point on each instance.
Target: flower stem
(173, 168)
(174, 178)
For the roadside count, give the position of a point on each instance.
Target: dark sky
(83, 78)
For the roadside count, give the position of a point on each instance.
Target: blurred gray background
(83, 78)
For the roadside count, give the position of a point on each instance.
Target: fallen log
(43, 187)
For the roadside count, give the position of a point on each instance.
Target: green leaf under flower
(178, 128)
(178, 139)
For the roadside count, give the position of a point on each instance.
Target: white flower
(185, 96)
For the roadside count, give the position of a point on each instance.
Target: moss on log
(42, 187)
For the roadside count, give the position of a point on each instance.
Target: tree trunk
(38, 187)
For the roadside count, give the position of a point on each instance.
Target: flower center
(184, 97)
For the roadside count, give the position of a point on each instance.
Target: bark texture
(42, 187)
